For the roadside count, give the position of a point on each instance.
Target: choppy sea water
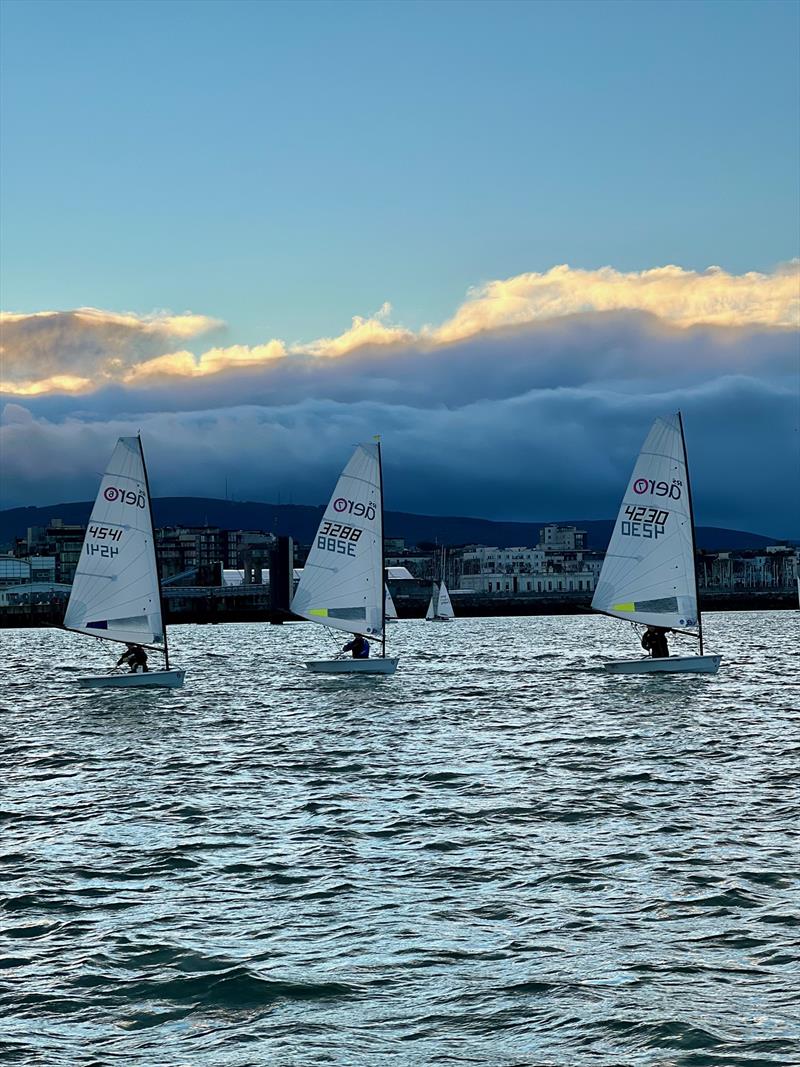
(499, 856)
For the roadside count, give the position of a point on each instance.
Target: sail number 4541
(336, 537)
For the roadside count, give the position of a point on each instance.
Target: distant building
(560, 563)
(559, 538)
(13, 570)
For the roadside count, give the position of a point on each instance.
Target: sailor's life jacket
(359, 646)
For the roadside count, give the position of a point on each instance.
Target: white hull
(353, 666)
(665, 665)
(147, 680)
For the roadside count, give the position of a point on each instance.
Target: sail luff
(694, 536)
(383, 550)
(155, 553)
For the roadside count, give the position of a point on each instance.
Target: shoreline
(217, 611)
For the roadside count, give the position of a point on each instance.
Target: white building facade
(560, 563)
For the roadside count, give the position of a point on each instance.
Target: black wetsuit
(135, 657)
(655, 641)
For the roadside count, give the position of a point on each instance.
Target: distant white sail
(389, 608)
(431, 612)
(115, 593)
(342, 585)
(648, 572)
(444, 608)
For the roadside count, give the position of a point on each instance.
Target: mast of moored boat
(155, 552)
(383, 554)
(694, 542)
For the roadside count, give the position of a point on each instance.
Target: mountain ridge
(301, 521)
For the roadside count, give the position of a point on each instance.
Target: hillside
(301, 523)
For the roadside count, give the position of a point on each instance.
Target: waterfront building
(559, 563)
(58, 541)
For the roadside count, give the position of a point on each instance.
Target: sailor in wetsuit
(359, 646)
(654, 640)
(135, 657)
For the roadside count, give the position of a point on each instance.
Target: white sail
(115, 593)
(444, 608)
(648, 572)
(389, 609)
(431, 612)
(342, 585)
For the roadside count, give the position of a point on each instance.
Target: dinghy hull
(378, 665)
(665, 665)
(148, 680)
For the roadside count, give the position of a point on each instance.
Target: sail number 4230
(644, 522)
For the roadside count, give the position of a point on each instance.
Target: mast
(694, 543)
(383, 558)
(155, 553)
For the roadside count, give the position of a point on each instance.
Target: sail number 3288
(336, 537)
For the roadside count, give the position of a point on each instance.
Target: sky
(504, 235)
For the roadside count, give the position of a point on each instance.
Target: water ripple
(500, 856)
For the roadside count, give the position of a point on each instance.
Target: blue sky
(506, 236)
(286, 166)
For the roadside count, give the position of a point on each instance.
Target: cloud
(546, 454)
(374, 331)
(82, 351)
(527, 418)
(186, 365)
(77, 351)
(682, 297)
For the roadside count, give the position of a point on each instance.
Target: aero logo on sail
(341, 504)
(125, 496)
(647, 485)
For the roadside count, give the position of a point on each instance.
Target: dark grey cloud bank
(539, 421)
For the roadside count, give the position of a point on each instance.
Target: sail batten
(115, 593)
(342, 585)
(648, 574)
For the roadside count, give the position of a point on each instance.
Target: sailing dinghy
(343, 581)
(389, 611)
(648, 575)
(116, 594)
(440, 607)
